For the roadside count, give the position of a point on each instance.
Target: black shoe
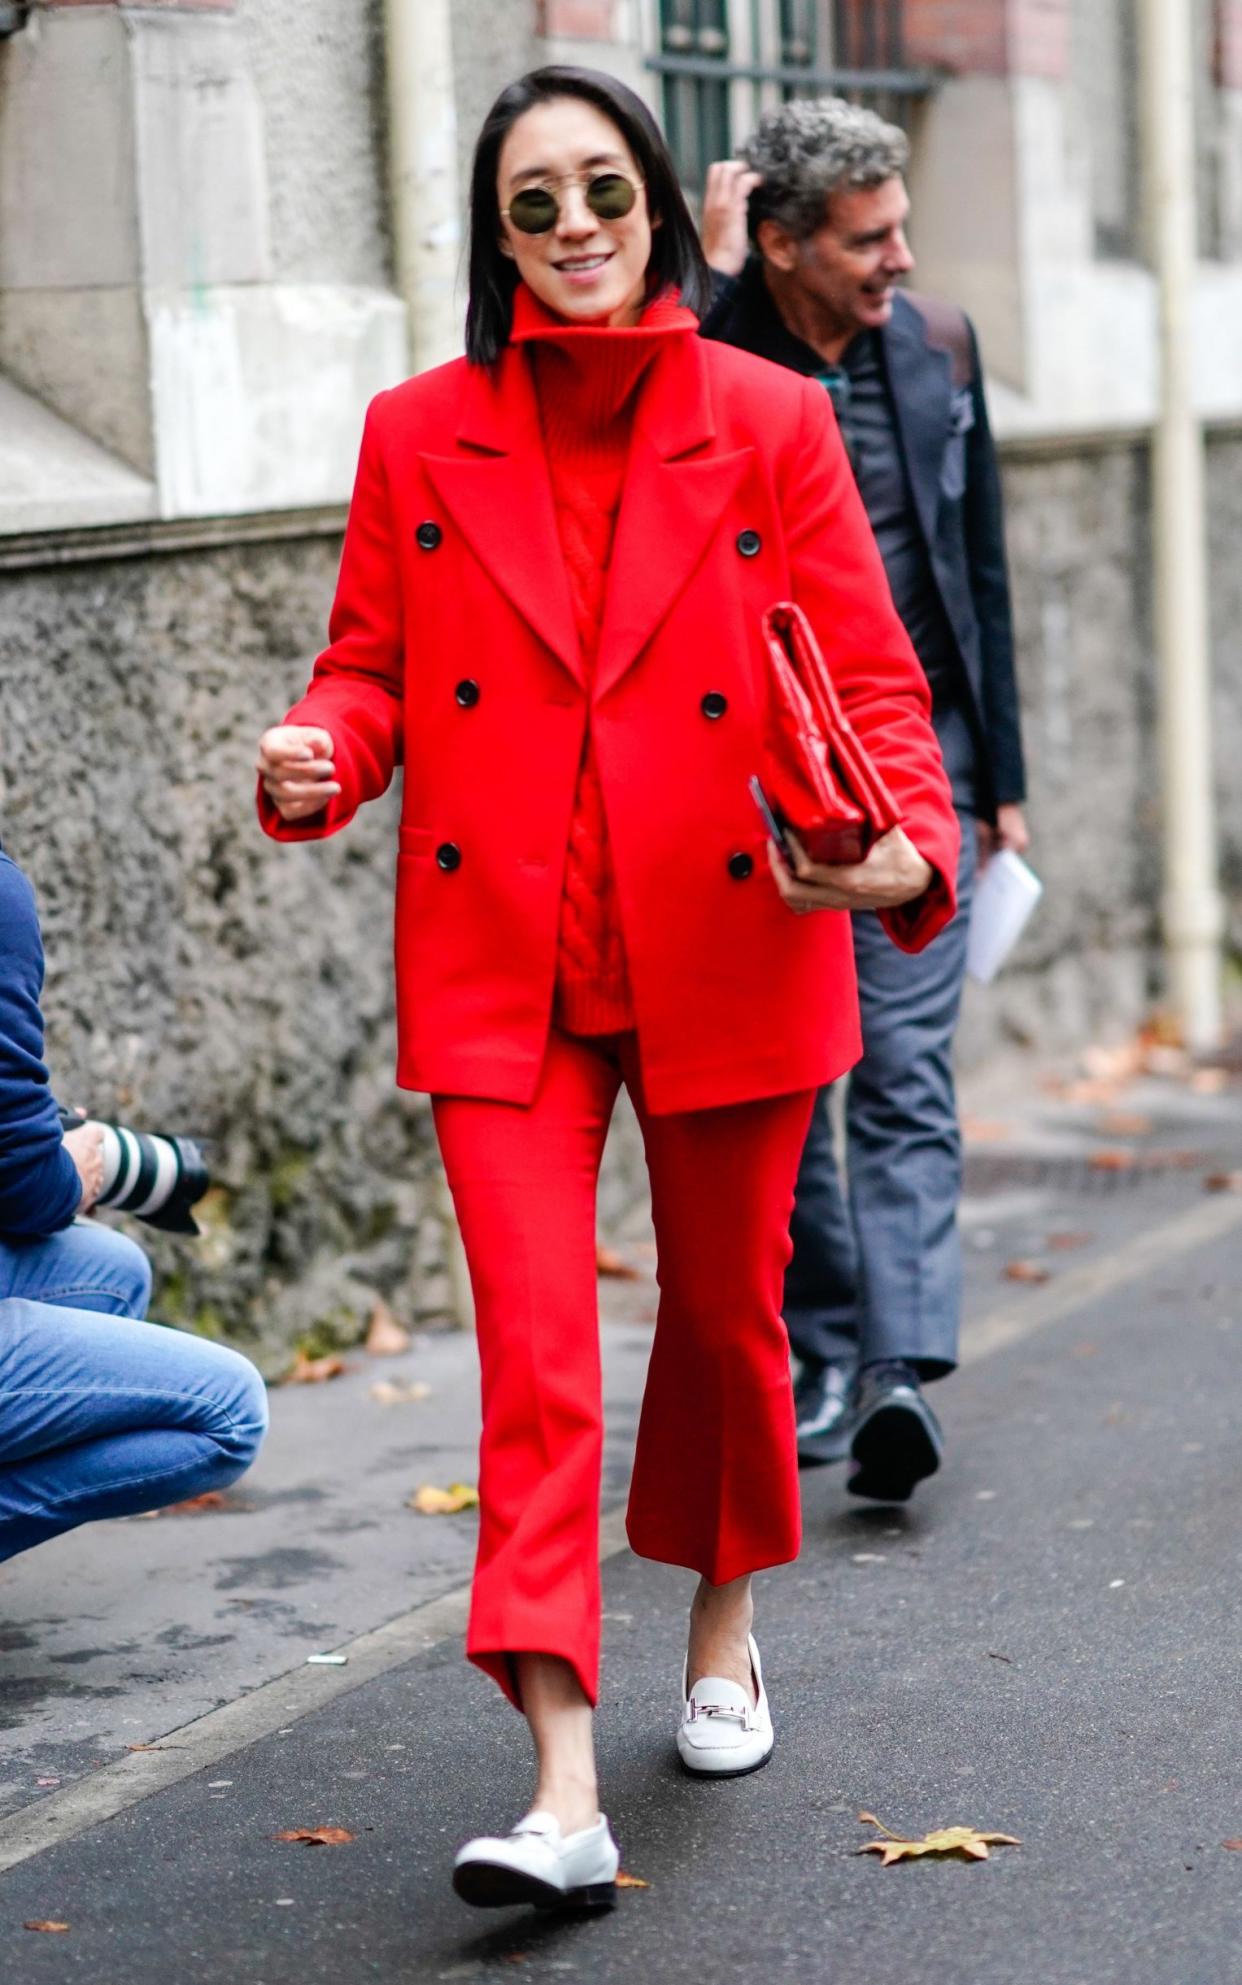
(822, 1414)
(896, 1438)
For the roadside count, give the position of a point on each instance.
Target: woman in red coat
(558, 553)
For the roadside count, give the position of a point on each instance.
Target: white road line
(280, 1704)
(1140, 1256)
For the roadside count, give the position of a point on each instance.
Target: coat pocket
(415, 840)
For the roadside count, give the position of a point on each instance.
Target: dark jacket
(950, 459)
(39, 1184)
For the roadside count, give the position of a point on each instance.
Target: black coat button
(749, 543)
(467, 693)
(448, 856)
(714, 704)
(429, 536)
(741, 866)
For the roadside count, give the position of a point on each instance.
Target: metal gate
(724, 62)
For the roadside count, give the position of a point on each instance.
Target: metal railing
(722, 63)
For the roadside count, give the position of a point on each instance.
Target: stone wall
(200, 978)
(1078, 527)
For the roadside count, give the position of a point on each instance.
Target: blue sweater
(39, 1184)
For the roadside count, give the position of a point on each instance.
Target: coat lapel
(499, 495)
(670, 508)
(920, 380)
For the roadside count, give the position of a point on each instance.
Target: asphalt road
(1045, 1644)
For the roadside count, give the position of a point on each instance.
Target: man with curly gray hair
(806, 233)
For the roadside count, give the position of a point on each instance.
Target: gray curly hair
(813, 147)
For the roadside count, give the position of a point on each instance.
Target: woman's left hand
(893, 873)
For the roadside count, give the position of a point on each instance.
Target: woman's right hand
(296, 768)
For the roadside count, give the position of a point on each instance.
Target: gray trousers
(876, 1269)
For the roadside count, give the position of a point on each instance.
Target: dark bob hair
(676, 258)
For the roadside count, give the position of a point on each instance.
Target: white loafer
(536, 1863)
(722, 1732)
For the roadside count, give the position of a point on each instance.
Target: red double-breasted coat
(453, 648)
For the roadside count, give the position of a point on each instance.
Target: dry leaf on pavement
(1222, 1182)
(1064, 1243)
(625, 1881)
(1125, 1123)
(314, 1371)
(1027, 1271)
(386, 1338)
(1234, 1846)
(942, 1840)
(40, 1925)
(1209, 1081)
(399, 1391)
(609, 1262)
(1111, 1161)
(210, 1499)
(429, 1501)
(317, 1836)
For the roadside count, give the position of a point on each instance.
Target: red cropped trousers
(715, 1483)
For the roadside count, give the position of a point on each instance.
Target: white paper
(1005, 895)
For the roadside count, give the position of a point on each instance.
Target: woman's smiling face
(584, 268)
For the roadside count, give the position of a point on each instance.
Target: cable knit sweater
(588, 380)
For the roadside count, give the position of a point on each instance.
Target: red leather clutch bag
(818, 779)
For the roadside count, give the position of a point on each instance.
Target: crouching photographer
(101, 1413)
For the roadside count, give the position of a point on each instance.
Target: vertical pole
(422, 149)
(1191, 901)
(422, 125)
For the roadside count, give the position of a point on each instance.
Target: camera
(157, 1179)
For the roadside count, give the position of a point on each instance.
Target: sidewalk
(973, 1658)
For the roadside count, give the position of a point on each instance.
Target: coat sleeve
(840, 582)
(40, 1190)
(355, 689)
(983, 519)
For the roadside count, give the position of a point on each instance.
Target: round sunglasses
(536, 209)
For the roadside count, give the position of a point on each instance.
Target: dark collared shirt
(862, 397)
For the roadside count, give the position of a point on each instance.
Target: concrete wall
(318, 70)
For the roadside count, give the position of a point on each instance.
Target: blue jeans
(102, 1414)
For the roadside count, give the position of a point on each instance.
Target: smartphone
(775, 831)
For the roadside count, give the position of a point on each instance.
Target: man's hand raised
(726, 242)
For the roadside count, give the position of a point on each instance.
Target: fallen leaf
(625, 1881)
(609, 1262)
(194, 1505)
(1027, 1271)
(429, 1501)
(1110, 1161)
(983, 1130)
(47, 1781)
(53, 1927)
(1006, 1658)
(314, 1371)
(942, 1840)
(152, 1747)
(1234, 1846)
(1064, 1243)
(317, 1836)
(1125, 1123)
(386, 1338)
(1209, 1081)
(1223, 1182)
(398, 1391)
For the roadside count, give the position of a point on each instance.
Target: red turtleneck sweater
(588, 379)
